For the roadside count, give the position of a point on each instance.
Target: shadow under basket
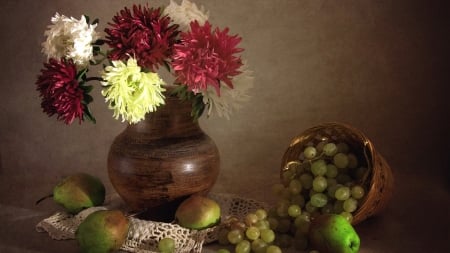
(378, 180)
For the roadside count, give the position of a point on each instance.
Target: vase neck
(172, 119)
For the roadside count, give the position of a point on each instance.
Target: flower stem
(94, 78)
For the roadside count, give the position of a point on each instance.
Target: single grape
(352, 161)
(340, 160)
(319, 200)
(287, 176)
(332, 171)
(311, 192)
(295, 186)
(261, 214)
(306, 180)
(342, 193)
(319, 184)
(350, 205)
(252, 233)
(235, 236)
(294, 210)
(284, 241)
(342, 147)
(292, 166)
(282, 208)
(301, 157)
(310, 208)
(166, 245)
(302, 222)
(299, 170)
(262, 224)
(258, 246)
(330, 149)
(240, 225)
(357, 192)
(273, 222)
(319, 167)
(250, 219)
(310, 152)
(298, 200)
(331, 190)
(348, 216)
(328, 208)
(243, 246)
(320, 145)
(273, 249)
(267, 235)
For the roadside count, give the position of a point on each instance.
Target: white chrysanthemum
(70, 38)
(184, 13)
(229, 99)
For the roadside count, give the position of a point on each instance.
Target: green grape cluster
(251, 234)
(326, 178)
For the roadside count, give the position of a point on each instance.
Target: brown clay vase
(160, 161)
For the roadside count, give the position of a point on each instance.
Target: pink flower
(60, 90)
(143, 34)
(205, 58)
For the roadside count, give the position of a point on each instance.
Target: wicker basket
(379, 179)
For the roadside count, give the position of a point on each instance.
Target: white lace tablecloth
(144, 235)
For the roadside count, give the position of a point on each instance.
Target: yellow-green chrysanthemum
(130, 92)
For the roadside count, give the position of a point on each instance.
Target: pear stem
(43, 198)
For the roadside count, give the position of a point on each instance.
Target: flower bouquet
(205, 62)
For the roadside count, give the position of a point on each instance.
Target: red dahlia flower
(60, 90)
(205, 57)
(143, 34)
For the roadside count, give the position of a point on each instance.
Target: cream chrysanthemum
(70, 38)
(230, 99)
(185, 13)
(130, 92)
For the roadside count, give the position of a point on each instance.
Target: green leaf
(87, 88)
(87, 18)
(87, 99)
(198, 107)
(82, 74)
(88, 115)
(99, 42)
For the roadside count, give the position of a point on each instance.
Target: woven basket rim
(372, 158)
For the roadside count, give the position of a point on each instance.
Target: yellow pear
(102, 231)
(198, 212)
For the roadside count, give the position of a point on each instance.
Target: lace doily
(144, 235)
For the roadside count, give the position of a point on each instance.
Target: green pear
(78, 192)
(102, 231)
(332, 233)
(198, 212)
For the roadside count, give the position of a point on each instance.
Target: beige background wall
(377, 65)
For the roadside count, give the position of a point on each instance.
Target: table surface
(407, 224)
